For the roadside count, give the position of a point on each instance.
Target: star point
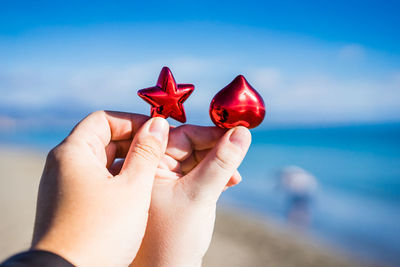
(167, 97)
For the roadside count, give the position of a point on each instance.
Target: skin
(95, 210)
(198, 164)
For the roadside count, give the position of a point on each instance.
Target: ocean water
(357, 204)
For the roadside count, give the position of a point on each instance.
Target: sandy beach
(239, 240)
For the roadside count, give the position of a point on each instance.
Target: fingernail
(158, 128)
(240, 137)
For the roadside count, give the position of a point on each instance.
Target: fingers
(235, 179)
(116, 149)
(195, 158)
(181, 168)
(211, 175)
(145, 152)
(101, 127)
(186, 138)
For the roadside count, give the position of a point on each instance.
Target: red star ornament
(167, 97)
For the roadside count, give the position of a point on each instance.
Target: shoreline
(243, 238)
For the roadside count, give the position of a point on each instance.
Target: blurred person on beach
(300, 187)
(128, 190)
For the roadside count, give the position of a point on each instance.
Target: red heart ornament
(237, 104)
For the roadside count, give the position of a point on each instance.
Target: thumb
(209, 178)
(145, 152)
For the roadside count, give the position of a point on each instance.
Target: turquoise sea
(357, 204)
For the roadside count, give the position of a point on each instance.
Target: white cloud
(266, 79)
(299, 81)
(309, 97)
(324, 98)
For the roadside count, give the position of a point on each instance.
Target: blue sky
(373, 23)
(315, 62)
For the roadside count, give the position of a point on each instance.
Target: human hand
(85, 213)
(197, 165)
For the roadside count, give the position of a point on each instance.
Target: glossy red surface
(237, 104)
(167, 97)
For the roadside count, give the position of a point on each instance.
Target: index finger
(186, 138)
(101, 127)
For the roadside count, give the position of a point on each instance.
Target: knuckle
(52, 155)
(227, 158)
(148, 150)
(61, 151)
(56, 153)
(97, 113)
